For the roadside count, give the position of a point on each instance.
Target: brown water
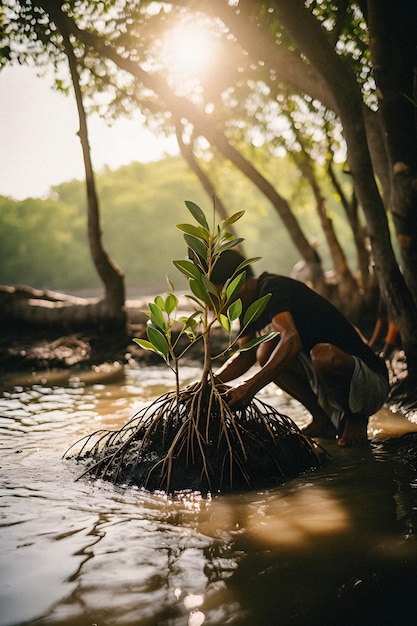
(335, 546)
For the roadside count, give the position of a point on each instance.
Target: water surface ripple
(336, 546)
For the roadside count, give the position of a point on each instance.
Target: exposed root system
(192, 440)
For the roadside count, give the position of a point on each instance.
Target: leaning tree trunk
(112, 309)
(308, 35)
(347, 287)
(393, 41)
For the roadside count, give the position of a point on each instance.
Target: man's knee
(325, 357)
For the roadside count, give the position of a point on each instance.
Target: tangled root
(192, 440)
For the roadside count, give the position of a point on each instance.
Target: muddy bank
(28, 348)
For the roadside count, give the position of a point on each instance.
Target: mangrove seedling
(190, 438)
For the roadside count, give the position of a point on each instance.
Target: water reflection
(334, 546)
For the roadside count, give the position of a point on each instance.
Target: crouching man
(318, 358)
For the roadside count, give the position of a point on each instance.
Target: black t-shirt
(316, 319)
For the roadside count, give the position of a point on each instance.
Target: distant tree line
(43, 242)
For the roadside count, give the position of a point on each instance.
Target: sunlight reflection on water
(78, 552)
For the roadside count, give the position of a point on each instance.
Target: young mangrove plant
(190, 438)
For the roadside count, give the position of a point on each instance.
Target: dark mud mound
(193, 441)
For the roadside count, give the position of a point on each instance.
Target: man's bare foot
(319, 428)
(355, 431)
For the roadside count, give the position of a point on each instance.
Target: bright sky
(39, 144)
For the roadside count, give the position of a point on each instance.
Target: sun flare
(187, 50)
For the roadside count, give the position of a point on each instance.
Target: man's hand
(239, 397)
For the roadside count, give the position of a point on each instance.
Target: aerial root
(192, 440)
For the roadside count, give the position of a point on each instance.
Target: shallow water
(336, 546)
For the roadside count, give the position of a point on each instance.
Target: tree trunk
(358, 230)
(393, 40)
(347, 287)
(113, 307)
(310, 38)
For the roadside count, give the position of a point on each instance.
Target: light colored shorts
(368, 391)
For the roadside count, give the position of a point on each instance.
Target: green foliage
(43, 242)
(225, 305)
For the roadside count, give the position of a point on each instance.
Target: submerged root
(192, 440)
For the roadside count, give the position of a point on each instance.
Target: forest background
(44, 243)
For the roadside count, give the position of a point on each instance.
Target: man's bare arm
(238, 364)
(287, 348)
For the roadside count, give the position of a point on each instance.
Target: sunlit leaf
(258, 340)
(191, 323)
(195, 231)
(233, 288)
(196, 246)
(192, 320)
(256, 309)
(157, 316)
(188, 269)
(158, 340)
(197, 214)
(225, 322)
(159, 301)
(146, 345)
(228, 244)
(190, 332)
(232, 219)
(247, 262)
(171, 302)
(235, 309)
(199, 291)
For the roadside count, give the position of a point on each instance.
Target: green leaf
(225, 322)
(171, 302)
(170, 283)
(255, 342)
(188, 269)
(192, 319)
(159, 301)
(247, 262)
(199, 291)
(234, 310)
(195, 231)
(190, 324)
(196, 246)
(233, 288)
(157, 317)
(221, 247)
(208, 285)
(145, 344)
(158, 340)
(232, 219)
(256, 309)
(197, 214)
